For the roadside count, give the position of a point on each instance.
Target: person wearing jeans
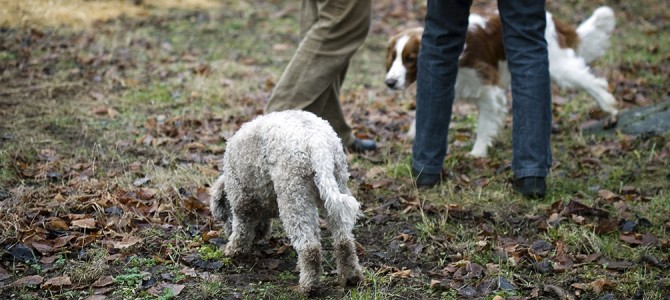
(523, 26)
(331, 31)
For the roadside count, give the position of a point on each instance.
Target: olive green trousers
(331, 31)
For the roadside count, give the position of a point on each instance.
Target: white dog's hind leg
(219, 205)
(298, 212)
(263, 230)
(242, 236)
(348, 269)
(492, 111)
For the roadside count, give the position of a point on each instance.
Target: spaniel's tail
(594, 34)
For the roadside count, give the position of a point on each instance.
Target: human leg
(333, 31)
(524, 23)
(299, 216)
(442, 44)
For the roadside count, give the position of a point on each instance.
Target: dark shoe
(362, 145)
(424, 179)
(531, 187)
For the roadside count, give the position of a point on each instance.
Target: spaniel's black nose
(391, 82)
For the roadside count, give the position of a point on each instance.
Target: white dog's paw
(232, 250)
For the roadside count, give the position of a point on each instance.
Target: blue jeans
(524, 23)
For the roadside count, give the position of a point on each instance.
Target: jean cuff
(531, 173)
(426, 169)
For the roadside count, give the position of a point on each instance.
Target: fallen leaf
(56, 224)
(85, 240)
(578, 219)
(190, 272)
(607, 226)
(160, 288)
(599, 285)
(563, 262)
(561, 293)
(646, 239)
(96, 297)
(554, 219)
(583, 259)
(106, 111)
(649, 239)
(42, 247)
(606, 195)
(102, 291)
(212, 234)
(83, 223)
(193, 204)
(575, 207)
(481, 182)
(631, 238)
(403, 237)
(469, 270)
(103, 281)
(202, 194)
(26, 281)
(540, 249)
(127, 242)
(57, 282)
(402, 274)
(4, 274)
(146, 194)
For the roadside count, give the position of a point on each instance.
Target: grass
(89, 270)
(179, 83)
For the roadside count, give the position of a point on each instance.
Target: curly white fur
(288, 164)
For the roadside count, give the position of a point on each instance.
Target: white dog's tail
(594, 34)
(339, 206)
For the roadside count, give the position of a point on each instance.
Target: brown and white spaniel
(483, 76)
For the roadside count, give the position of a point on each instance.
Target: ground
(111, 132)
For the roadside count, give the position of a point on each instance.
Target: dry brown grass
(82, 13)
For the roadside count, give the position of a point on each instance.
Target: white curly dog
(289, 165)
